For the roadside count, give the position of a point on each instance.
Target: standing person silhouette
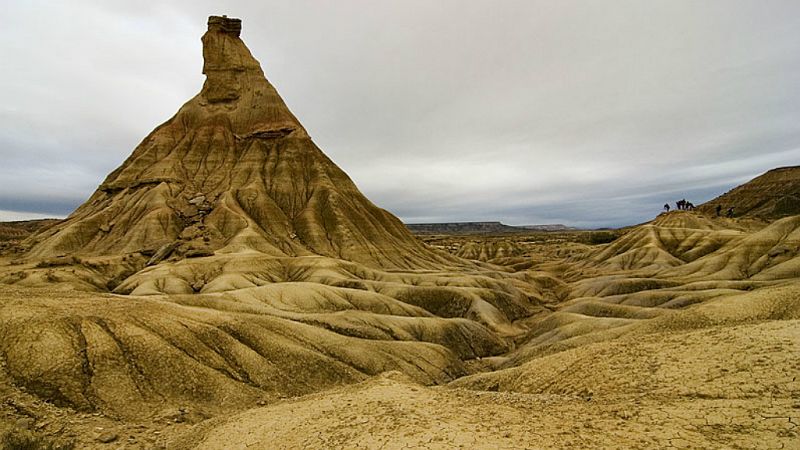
(666, 207)
(719, 210)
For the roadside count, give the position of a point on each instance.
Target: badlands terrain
(228, 286)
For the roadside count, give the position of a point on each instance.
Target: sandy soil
(651, 393)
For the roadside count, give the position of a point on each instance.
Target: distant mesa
(480, 228)
(548, 227)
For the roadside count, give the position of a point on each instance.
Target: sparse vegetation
(602, 237)
(24, 439)
(58, 261)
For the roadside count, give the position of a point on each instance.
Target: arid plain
(228, 286)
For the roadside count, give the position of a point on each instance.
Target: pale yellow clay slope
(772, 195)
(677, 389)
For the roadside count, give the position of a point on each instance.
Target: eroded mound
(220, 334)
(130, 356)
(663, 389)
(772, 195)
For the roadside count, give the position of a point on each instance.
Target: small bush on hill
(602, 237)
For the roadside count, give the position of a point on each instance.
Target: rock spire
(232, 171)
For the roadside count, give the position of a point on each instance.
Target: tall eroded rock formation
(232, 171)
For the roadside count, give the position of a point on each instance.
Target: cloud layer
(584, 113)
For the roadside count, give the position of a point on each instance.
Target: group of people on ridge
(683, 205)
(680, 205)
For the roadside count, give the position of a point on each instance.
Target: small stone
(25, 423)
(197, 200)
(199, 252)
(190, 211)
(162, 253)
(107, 437)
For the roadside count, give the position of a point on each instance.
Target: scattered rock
(199, 252)
(190, 211)
(107, 437)
(162, 253)
(61, 260)
(197, 286)
(198, 200)
(25, 423)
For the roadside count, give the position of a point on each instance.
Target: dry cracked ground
(684, 332)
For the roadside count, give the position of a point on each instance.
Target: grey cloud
(521, 111)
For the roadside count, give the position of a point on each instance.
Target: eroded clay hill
(232, 171)
(245, 266)
(772, 195)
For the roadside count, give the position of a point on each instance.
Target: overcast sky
(587, 113)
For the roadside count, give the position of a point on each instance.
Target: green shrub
(602, 237)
